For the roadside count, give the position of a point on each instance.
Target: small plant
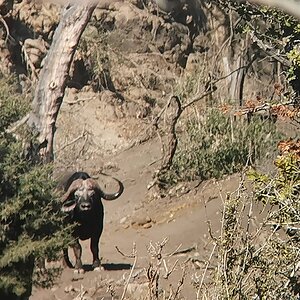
(217, 144)
(93, 50)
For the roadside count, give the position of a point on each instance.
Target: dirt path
(134, 219)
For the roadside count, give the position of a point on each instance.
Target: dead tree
(53, 78)
(165, 124)
(169, 139)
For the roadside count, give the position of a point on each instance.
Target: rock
(201, 43)
(41, 18)
(141, 221)
(123, 220)
(192, 63)
(71, 289)
(169, 5)
(147, 225)
(35, 50)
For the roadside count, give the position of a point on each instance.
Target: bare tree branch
(291, 7)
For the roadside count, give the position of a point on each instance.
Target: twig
(206, 267)
(17, 124)
(179, 285)
(169, 141)
(291, 7)
(199, 96)
(132, 255)
(263, 107)
(128, 279)
(160, 247)
(154, 162)
(153, 123)
(196, 98)
(137, 273)
(8, 36)
(169, 272)
(186, 250)
(292, 274)
(83, 134)
(79, 100)
(81, 294)
(83, 144)
(174, 252)
(29, 63)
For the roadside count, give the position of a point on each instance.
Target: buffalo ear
(68, 206)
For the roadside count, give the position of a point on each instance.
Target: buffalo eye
(77, 195)
(91, 193)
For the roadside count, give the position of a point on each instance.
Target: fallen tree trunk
(54, 75)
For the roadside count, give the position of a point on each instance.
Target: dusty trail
(133, 219)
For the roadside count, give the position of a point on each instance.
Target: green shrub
(281, 191)
(219, 144)
(253, 258)
(30, 221)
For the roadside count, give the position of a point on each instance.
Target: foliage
(255, 260)
(12, 104)
(283, 190)
(274, 34)
(31, 225)
(93, 49)
(217, 144)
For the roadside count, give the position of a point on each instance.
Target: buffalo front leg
(95, 251)
(77, 252)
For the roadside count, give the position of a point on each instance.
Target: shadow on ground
(109, 267)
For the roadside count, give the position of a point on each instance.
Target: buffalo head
(84, 194)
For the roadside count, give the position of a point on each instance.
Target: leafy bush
(31, 225)
(282, 191)
(257, 260)
(218, 144)
(93, 50)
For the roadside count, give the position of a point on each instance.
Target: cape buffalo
(82, 201)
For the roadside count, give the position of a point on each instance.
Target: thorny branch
(132, 255)
(129, 277)
(179, 285)
(83, 134)
(291, 7)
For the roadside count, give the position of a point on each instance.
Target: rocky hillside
(132, 58)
